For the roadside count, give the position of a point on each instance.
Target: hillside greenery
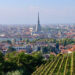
(20, 63)
(62, 64)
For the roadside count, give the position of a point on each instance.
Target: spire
(38, 27)
(38, 19)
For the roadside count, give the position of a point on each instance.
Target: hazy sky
(25, 11)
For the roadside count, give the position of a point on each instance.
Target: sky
(26, 11)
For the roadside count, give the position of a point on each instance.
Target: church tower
(38, 26)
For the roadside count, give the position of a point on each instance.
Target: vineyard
(63, 64)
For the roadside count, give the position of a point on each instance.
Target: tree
(17, 72)
(27, 41)
(11, 49)
(1, 63)
(25, 62)
(65, 43)
(57, 45)
(44, 49)
(9, 42)
(38, 58)
(19, 61)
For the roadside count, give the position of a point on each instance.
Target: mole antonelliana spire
(38, 26)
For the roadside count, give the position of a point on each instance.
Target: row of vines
(63, 64)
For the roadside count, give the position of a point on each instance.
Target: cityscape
(39, 48)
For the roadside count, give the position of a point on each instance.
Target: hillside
(63, 64)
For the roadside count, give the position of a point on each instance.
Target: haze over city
(25, 11)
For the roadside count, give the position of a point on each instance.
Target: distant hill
(63, 64)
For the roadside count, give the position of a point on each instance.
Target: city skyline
(25, 11)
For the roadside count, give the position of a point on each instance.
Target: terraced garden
(63, 64)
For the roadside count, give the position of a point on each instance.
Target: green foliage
(27, 41)
(47, 49)
(38, 58)
(57, 45)
(62, 64)
(52, 57)
(1, 62)
(66, 41)
(9, 42)
(16, 63)
(11, 49)
(17, 72)
(1, 57)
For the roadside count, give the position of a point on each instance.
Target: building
(38, 26)
(38, 33)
